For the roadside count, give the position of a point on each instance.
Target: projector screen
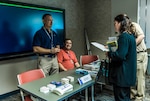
(18, 24)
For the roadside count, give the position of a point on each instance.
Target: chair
(29, 76)
(86, 59)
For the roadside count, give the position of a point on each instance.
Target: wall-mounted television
(18, 24)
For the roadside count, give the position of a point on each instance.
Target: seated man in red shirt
(66, 57)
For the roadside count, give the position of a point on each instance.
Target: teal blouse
(123, 61)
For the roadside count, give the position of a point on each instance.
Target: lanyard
(50, 37)
(70, 57)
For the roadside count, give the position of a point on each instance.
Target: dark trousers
(121, 93)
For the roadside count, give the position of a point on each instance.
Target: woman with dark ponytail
(123, 60)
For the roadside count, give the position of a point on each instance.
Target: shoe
(139, 98)
(132, 96)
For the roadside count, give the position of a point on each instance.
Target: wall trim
(9, 94)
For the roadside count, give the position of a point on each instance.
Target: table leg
(92, 93)
(86, 94)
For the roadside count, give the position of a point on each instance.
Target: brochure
(100, 46)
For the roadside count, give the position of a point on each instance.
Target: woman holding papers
(123, 60)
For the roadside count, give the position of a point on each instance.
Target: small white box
(71, 79)
(64, 80)
(44, 89)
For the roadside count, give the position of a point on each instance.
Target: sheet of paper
(100, 46)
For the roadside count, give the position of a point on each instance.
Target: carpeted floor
(106, 95)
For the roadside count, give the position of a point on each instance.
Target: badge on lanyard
(71, 61)
(50, 37)
(70, 57)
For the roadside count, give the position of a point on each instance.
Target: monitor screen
(18, 24)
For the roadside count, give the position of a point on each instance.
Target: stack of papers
(100, 46)
(63, 89)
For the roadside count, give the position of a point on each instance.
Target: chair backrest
(86, 59)
(30, 75)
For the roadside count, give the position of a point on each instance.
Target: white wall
(144, 13)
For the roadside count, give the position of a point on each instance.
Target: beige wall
(98, 22)
(9, 70)
(130, 7)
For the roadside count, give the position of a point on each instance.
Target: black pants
(121, 93)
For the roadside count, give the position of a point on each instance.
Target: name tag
(84, 79)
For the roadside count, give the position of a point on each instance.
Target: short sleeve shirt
(139, 31)
(67, 58)
(42, 39)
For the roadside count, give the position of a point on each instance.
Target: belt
(142, 51)
(50, 56)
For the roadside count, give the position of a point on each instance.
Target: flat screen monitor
(18, 24)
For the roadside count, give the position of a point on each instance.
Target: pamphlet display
(84, 79)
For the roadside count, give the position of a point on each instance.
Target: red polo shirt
(67, 58)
